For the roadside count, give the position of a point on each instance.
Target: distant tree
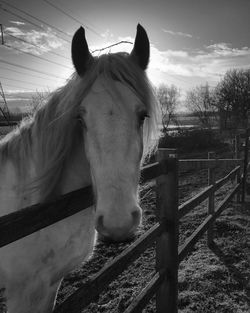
(233, 97)
(37, 100)
(169, 99)
(201, 102)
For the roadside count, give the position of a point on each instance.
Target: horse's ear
(141, 49)
(81, 56)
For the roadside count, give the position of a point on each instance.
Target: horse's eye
(141, 118)
(81, 121)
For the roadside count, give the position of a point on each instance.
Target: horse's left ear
(81, 56)
(141, 49)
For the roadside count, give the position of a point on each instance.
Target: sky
(193, 42)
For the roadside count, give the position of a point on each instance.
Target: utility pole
(2, 38)
(3, 105)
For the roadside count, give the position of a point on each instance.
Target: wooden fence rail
(165, 233)
(187, 206)
(187, 247)
(94, 286)
(28, 220)
(200, 164)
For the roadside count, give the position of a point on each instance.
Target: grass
(210, 280)
(217, 279)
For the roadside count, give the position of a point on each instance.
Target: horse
(95, 130)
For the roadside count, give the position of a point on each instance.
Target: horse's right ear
(141, 51)
(81, 56)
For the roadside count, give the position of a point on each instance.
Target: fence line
(165, 232)
(28, 220)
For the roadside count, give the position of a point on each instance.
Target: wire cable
(31, 69)
(22, 73)
(39, 47)
(72, 17)
(18, 87)
(21, 81)
(36, 56)
(35, 18)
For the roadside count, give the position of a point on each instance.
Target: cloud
(212, 61)
(183, 67)
(107, 35)
(177, 33)
(33, 41)
(17, 23)
(226, 50)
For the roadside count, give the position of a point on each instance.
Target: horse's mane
(53, 130)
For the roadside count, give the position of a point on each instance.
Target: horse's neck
(12, 185)
(76, 174)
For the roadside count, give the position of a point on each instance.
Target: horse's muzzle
(120, 230)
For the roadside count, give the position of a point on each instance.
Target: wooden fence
(165, 232)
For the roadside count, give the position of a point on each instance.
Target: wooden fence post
(167, 243)
(237, 147)
(245, 165)
(237, 156)
(211, 181)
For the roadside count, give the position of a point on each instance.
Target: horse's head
(112, 115)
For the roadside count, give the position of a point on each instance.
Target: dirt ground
(216, 280)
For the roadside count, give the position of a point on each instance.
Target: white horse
(91, 131)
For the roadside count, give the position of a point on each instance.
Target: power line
(21, 81)
(18, 87)
(80, 21)
(22, 18)
(39, 47)
(22, 73)
(1, 27)
(4, 109)
(36, 56)
(72, 17)
(35, 18)
(31, 69)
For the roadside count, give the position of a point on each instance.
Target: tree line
(228, 102)
(225, 105)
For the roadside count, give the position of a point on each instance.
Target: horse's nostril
(136, 215)
(99, 223)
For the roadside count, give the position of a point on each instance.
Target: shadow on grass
(236, 274)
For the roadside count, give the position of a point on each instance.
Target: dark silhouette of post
(167, 243)
(245, 165)
(237, 156)
(211, 181)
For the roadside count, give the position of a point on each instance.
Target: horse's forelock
(120, 67)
